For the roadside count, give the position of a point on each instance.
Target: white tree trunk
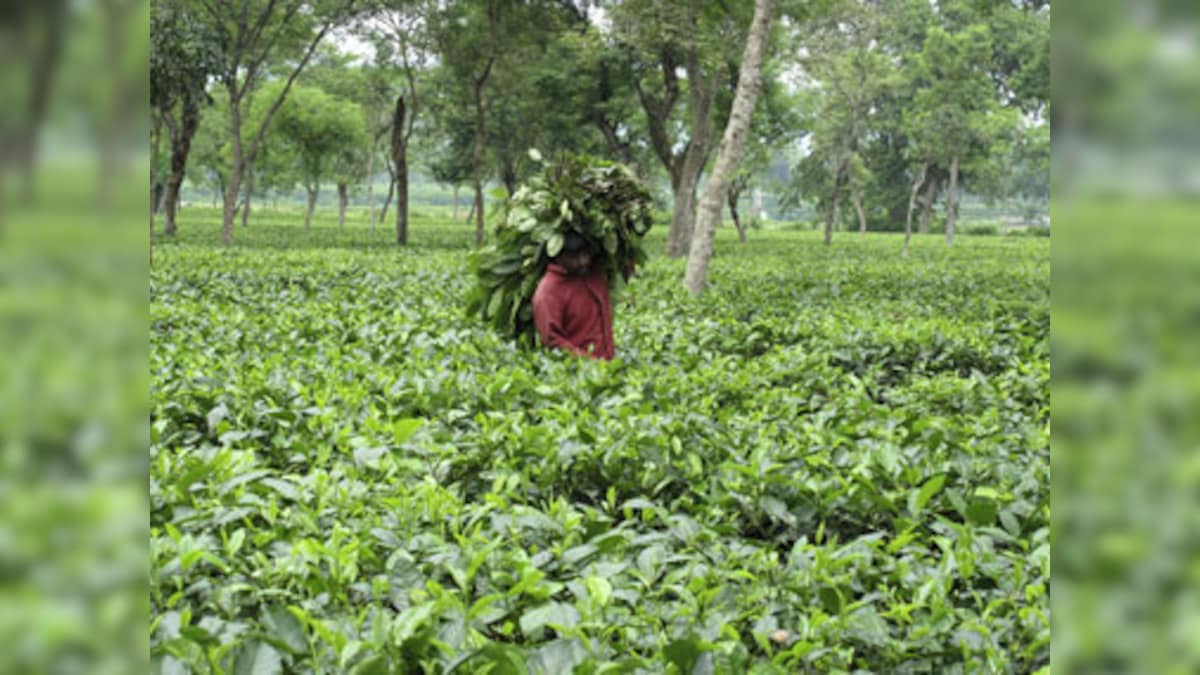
(734, 140)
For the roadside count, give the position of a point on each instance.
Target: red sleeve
(547, 317)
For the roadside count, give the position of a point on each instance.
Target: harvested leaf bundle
(602, 201)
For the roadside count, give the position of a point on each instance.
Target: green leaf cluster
(602, 201)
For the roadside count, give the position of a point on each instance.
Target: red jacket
(574, 313)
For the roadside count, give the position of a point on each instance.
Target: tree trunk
(229, 212)
(477, 155)
(371, 182)
(682, 214)
(695, 156)
(402, 202)
(180, 147)
(400, 169)
(508, 175)
(733, 213)
(927, 206)
(154, 199)
(749, 83)
(343, 199)
(856, 195)
(832, 206)
(387, 202)
(455, 213)
(912, 204)
(249, 194)
(312, 204)
(156, 183)
(952, 201)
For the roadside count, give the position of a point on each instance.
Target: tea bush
(832, 461)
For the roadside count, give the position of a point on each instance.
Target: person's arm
(547, 317)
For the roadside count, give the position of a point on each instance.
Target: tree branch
(257, 61)
(287, 86)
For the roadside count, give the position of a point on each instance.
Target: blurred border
(74, 384)
(1125, 308)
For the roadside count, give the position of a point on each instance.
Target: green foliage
(596, 199)
(183, 55)
(1033, 231)
(982, 229)
(925, 82)
(833, 461)
(326, 134)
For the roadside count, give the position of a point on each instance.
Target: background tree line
(875, 115)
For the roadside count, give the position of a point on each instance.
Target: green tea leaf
(919, 498)
(256, 658)
(551, 614)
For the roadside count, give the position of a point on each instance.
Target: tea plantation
(832, 461)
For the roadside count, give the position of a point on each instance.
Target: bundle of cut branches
(601, 201)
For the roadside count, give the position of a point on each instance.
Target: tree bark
(695, 155)
(249, 194)
(402, 202)
(927, 206)
(477, 152)
(620, 149)
(156, 183)
(343, 199)
(952, 201)
(312, 204)
(371, 182)
(387, 202)
(181, 144)
(749, 83)
(508, 176)
(235, 173)
(832, 206)
(912, 205)
(682, 213)
(400, 170)
(734, 193)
